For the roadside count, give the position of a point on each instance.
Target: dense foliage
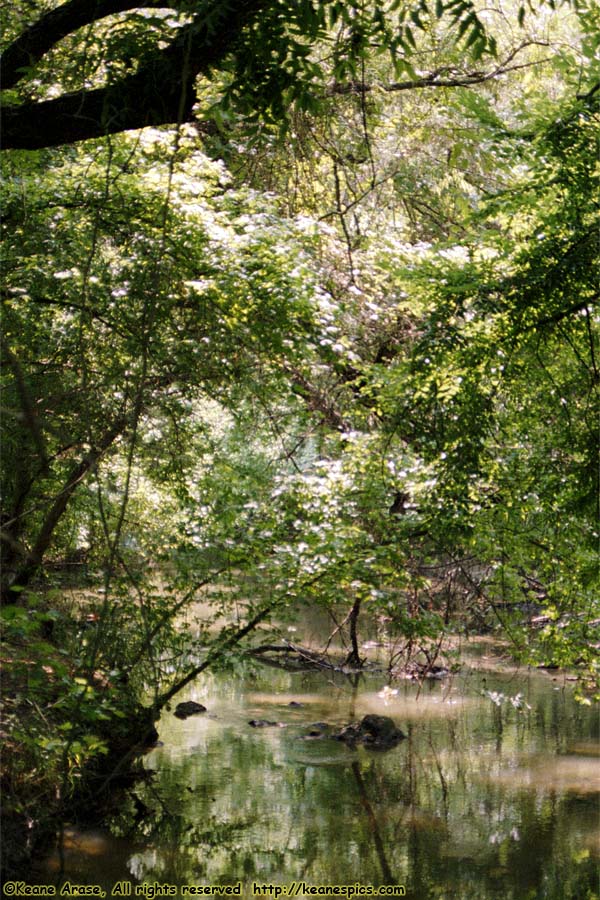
(328, 335)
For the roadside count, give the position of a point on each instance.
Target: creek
(493, 793)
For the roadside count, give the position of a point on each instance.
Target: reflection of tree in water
(372, 819)
(435, 814)
(183, 851)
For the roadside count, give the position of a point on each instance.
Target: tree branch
(28, 411)
(161, 92)
(441, 77)
(559, 315)
(216, 652)
(317, 400)
(33, 43)
(79, 471)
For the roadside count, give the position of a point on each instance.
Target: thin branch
(440, 78)
(214, 654)
(555, 318)
(591, 341)
(70, 304)
(342, 218)
(170, 614)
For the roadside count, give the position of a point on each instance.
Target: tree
(131, 68)
(498, 395)
(122, 305)
(302, 397)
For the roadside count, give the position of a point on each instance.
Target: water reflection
(483, 799)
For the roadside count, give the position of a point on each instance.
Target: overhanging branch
(34, 42)
(161, 92)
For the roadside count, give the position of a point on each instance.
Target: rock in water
(375, 732)
(188, 708)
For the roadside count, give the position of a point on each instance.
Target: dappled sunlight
(300, 387)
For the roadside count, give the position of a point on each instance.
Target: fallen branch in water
(303, 658)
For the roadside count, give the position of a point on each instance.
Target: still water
(493, 794)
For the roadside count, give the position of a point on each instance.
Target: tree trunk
(353, 658)
(21, 575)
